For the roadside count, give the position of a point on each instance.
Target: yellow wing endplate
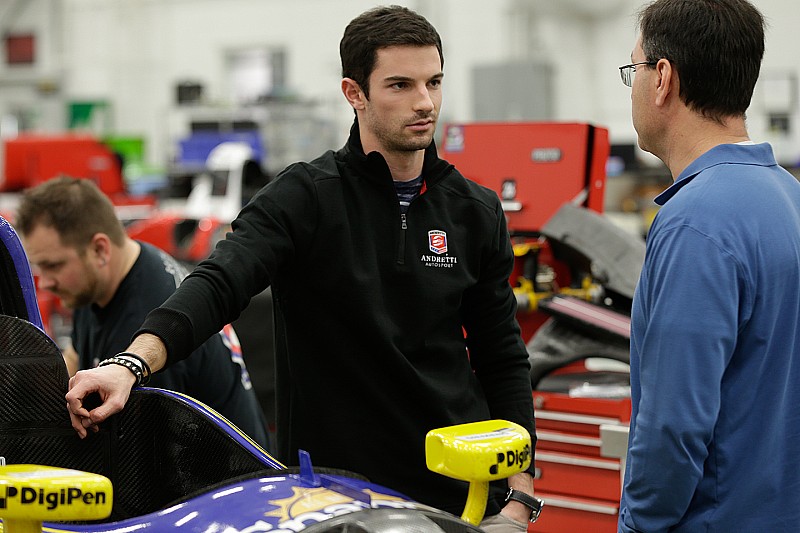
(478, 452)
(31, 494)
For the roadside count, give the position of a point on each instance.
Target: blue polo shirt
(715, 353)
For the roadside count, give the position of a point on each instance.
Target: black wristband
(145, 366)
(135, 370)
(531, 502)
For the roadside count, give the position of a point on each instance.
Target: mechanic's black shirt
(215, 375)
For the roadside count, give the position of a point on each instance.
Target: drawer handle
(578, 419)
(577, 461)
(549, 436)
(580, 506)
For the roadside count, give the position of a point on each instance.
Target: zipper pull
(403, 224)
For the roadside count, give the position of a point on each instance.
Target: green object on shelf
(131, 148)
(90, 115)
(139, 176)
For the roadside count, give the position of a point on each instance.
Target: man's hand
(112, 382)
(522, 482)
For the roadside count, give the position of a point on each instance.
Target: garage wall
(134, 52)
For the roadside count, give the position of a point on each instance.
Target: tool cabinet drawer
(579, 476)
(558, 441)
(564, 514)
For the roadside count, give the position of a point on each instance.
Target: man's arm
(498, 353)
(112, 382)
(515, 510)
(496, 348)
(71, 359)
(688, 307)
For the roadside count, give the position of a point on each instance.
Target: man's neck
(404, 165)
(698, 137)
(121, 261)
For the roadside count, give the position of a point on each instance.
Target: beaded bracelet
(127, 363)
(144, 366)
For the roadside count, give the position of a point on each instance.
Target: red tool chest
(580, 487)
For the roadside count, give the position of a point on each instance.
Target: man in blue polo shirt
(715, 342)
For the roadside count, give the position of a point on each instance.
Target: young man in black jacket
(389, 270)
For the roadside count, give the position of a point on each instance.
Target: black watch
(531, 502)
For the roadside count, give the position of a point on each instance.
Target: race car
(169, 463)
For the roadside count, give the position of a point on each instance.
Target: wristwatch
(531, 502)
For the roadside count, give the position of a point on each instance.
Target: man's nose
(45, 282)
(424, 102)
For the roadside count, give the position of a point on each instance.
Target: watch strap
(531, 502)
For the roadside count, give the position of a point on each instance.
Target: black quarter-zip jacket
(386, 326)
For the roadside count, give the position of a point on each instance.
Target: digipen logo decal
(52, 499)
(511, 458)
(12, 492)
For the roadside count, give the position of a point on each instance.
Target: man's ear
(353, 93)
(668, 81)
(100, 248)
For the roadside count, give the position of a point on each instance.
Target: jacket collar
(373, 165)
(737, 154)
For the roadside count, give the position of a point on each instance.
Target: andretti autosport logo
(437, 241)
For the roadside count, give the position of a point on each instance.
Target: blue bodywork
(270, 501)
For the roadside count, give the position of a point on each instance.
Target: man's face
(62, 270)
(404, 98)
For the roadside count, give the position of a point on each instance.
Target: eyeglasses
(626, 72)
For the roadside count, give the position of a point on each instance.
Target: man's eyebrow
(51, 261)
(398, 78)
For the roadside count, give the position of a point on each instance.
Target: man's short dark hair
(74, 207)
(715, 45)
(378, 28)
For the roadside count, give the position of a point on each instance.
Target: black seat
(34, 424)
(156, 451)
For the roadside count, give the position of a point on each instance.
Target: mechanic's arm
(71, 359)
(112, 382)
(690, 313)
